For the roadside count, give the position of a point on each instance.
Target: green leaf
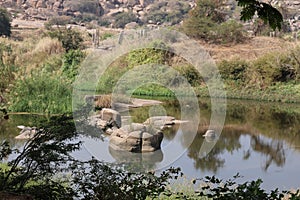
(265, 11)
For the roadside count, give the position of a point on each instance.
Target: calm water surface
(259, 140)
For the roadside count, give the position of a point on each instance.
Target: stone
(135, 139)
(26, 132)
(133, 127)
(41, 4)
(160, 121)
(111, 116)
(131, 25)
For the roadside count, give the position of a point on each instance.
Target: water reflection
(271, 129)
(258, 139)
(273, 150)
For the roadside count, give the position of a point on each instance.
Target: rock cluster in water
(133, 137)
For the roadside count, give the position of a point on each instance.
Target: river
(258, 140)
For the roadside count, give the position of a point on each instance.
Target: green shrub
(121, 19)
(228, 32)
(70, 39)
(41, 93)
(71, 63)
(111, 76)
(157, 16)
(106, 35)
(233, 69)
(199, 28)
(146, 56)
(214, 188)
(275, 67)
(7, 67)
(191, 74)
(207, 22)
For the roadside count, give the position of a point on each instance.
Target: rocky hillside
(119, 13)
(103, 11)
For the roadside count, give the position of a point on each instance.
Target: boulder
(160, 121)
(107, 120)
(131, 25)
(111, 116)
(136, 138)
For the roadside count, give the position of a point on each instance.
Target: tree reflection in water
(229, 142)
(273, 150)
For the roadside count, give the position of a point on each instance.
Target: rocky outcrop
(45, 9)
(146, 12)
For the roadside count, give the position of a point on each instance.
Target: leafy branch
(264, 11)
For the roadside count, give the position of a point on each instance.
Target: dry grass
(102, 101)
(252, 49)
(49, 46)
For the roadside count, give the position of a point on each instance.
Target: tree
(70, 39)
(264, 11)
(207, 21)
(5, 22)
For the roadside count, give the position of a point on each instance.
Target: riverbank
(41, 80)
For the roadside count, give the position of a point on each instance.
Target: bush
(233, 70)
(199, 28)
(214, 188)
(5, 20)
(7, 67)
(124, 18)
(70, 39)
(71, 63)
(207, 22)
(41, 93)
(48, 46)
(191, 74)
(273, 68)
(228, 32)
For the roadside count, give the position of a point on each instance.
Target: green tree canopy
(264, 11)
(5, 22)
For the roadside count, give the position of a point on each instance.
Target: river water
(258, 140)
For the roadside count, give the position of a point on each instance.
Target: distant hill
(126, 13)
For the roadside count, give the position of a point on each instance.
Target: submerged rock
(26, 132)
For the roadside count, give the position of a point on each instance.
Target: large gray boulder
(136, 138)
